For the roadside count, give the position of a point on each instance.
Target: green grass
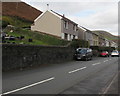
(16, 21)
(38, 38)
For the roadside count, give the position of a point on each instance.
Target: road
(75, 77)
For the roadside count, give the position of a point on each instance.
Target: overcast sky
(92, 14)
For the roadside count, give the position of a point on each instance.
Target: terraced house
(55, 24)
(107, 43)
(95, 39)
(101, 41)
(88, 35)
(81, 33)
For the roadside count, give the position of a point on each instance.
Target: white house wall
(48, 23)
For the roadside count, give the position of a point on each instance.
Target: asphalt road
(75, 77)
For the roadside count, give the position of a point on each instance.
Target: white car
(115, 53)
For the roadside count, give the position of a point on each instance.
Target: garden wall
(21, 56)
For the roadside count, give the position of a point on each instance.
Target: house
(88, 35)
(113, 44)
(57, 25)
(107, 43)
(81, 33)
(101, 41)
(95, 39)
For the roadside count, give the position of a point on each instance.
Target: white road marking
(106, 90)
(96, 63)
(77, 70)
(22, 88)
(105, 60)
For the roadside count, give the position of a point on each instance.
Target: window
(65, 24)
(66, 36)
(73, 36)
(70, 37)
(74, 27)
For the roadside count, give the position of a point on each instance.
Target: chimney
(47, 6)
(63, 15)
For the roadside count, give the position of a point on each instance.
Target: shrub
(102, 48)
(79, 43)
(30, 40)
(4, 24)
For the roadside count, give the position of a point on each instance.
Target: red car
(104, 53)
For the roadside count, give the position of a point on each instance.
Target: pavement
(75, 77)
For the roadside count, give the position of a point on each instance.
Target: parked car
(83, 54)
(115, 53)
(104, 54)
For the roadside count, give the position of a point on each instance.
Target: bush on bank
(102, 48)
(76, 43)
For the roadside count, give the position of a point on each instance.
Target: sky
(91, 14)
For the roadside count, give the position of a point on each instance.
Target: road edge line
(28, 86)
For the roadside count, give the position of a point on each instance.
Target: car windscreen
(82, 51)
(78, 50)
(104, 52)
(114, 51)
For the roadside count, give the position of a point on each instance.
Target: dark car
(83, 54)
(104, 54)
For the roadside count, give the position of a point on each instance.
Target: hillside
(107, 35)
(20, 9)
(15, 21)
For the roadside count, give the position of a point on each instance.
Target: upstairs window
(74, 27)
(65, 24)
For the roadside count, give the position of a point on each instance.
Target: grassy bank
(15, 21)
(37, 37)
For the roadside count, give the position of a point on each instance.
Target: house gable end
(48, 23)
(45, 13)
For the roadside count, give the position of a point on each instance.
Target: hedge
(102, 48)
(79, 43)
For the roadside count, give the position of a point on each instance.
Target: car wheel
(91, 58)
(86, 58)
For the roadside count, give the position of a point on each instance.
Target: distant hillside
(107, 35)
(20, 9)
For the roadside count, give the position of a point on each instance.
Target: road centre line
(105, 60)
(96, 63)
(77, 70)
(31, 85)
